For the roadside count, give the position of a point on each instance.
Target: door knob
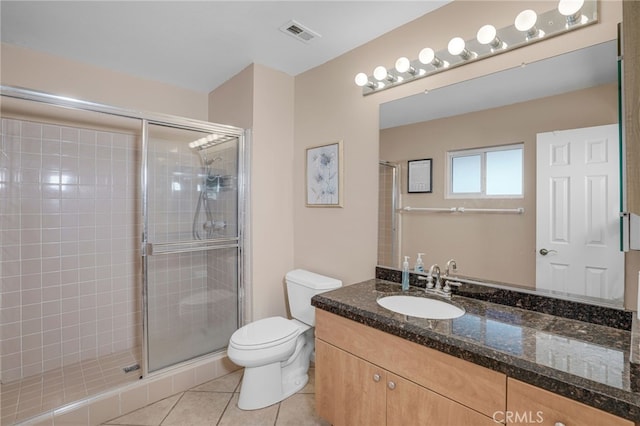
(391, 385)
(544, 251)
(376, 377)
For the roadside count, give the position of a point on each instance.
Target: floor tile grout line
(225, 408)
(172, 407)
(277, 414)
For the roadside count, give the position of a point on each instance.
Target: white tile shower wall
(70, 264)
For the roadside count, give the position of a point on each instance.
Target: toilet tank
(302, 285)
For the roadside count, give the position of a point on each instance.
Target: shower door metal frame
(150, 249)
(168, 120)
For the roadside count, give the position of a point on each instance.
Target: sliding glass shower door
(192, 182)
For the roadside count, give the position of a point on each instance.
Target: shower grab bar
(518, 210)
(430, 209)
(151, 249)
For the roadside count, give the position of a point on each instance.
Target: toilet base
(254, 396)
(269, 384)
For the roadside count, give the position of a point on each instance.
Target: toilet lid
(267, 331)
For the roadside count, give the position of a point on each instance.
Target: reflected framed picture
(419, 176)
(324, 175)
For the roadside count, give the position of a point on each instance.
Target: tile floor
(215, 403)
(37, 394)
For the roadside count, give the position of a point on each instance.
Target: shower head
(210, 161)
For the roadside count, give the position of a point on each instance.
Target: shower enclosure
(121, 247)
(388, 203)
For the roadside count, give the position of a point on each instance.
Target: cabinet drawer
(528, 404)
(474, 386)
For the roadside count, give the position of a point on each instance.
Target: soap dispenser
(419, 267)
(405, 274)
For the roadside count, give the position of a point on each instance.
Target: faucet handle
(429, 281)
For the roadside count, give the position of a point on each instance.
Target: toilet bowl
(276, 351)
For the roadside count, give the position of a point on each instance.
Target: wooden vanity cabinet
(349, 390)
(352, 391)
(367, 377)
(527, 404)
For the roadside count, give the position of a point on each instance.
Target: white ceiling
(200, 44)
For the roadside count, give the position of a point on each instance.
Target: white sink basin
(420, 307)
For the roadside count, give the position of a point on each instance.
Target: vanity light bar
(528, 27)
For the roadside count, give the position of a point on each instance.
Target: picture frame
(420, 176)
(324, 175)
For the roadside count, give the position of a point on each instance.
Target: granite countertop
(586, 362)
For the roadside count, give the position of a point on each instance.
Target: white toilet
(276, 351)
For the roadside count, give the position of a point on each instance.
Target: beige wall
(262, 99)
(329, 106)
(232, 102)
(465, 237)
(47, 73)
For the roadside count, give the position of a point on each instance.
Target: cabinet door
(349, 390)
(527, 404)
(411, 404)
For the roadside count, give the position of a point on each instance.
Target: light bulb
(380, 73)
(456, 46)
(403, 64)
(526, 20)
(570, 9)
(361, 79)
(486, 34)
(426, 55)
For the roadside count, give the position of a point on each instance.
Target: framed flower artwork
(324, 175)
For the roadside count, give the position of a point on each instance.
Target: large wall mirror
(560, 236)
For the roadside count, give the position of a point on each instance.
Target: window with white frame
(494, 172)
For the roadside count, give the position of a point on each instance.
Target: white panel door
(578, 204)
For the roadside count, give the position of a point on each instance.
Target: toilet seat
(265, 333)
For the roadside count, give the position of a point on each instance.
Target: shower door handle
(154, 249)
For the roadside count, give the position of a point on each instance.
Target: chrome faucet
(434, 274)
(451, 265)
(434, 269)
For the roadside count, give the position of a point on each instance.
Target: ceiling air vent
(299, 31)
